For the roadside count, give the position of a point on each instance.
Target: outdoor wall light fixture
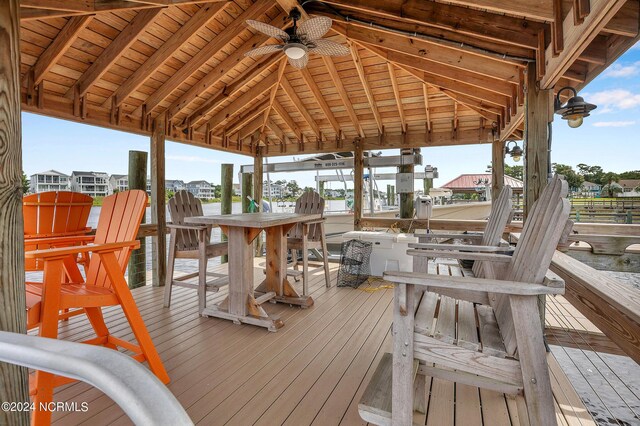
(574, 110)
(515, 152)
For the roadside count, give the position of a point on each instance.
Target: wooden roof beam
(248, 124)
(204, 55)
(319, 97)
(425, 95)
(398, 97)
(163, 53)
(247, 76)
(274, 92)
(297, 103)
(273, 126)
(365, 84)
(219, 71)
(540, 10)
(290, 123)
(58, 47)
(114, 50)
(626, 21)
(36, 9)
(337, 82)
(241, 102)
(490, 68)
(463, 20)
(577, 38)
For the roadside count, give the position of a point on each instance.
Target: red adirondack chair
(104, 285)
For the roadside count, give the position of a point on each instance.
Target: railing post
(15, 382)
(138, 180)
(227, 197)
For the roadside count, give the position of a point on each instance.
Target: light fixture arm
(558, 102)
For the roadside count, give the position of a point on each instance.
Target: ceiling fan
(298, 41)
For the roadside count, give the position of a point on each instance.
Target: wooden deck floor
(312, 371)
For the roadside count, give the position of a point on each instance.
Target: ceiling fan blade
(329, 48)
(264, 50)
(299, 63)
(314, 28)
(267, 29)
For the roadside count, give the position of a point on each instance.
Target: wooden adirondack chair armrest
(461, 247)
(61, 240)
(449, 236)
(67, 251)
(435, 282)
(311, 222)
(465, 255)
(188, 227)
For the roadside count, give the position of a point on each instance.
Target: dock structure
(415, 75)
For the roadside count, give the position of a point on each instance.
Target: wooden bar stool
(188, 241)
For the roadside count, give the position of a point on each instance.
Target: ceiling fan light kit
(298, 41)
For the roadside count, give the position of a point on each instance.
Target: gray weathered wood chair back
(546, 225)
(309, 203)
(501, 215)
(184, 204)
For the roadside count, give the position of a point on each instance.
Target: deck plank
(312, 371)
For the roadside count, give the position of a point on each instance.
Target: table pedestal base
(256, 314)
(289, 295)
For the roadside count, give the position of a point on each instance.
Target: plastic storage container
(389, 251)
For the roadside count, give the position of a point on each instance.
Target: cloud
(612, 100)
(613, 123)
(618, 70)
(191, 159)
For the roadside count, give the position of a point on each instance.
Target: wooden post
(389, 195)
(138, 180)
(497, 168)
(226, 182)
(247, 190)
(358, 181)
(15, 382)
(321, 188)
(406, 198)
(257, 191)
(538, 114)
(393, 195)
(427, 184)
(158, 203)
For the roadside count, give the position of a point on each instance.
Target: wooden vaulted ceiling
(419, 72)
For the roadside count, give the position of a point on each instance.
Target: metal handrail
(134, 388)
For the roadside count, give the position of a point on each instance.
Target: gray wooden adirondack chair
(488, 241)
(188, 241)
(509, 356)
(308, 236)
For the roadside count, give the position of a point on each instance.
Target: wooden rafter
(273, 126)
(365, 84)
(463, 20)
(58, 47)
(297, 103)
(246, 77)
(164, 52)
(114, 50)
(337, 81)
(219, 71)
(291, 124)
(433, 52)
(397, 95)
(425, 95)
(241, 102)
(534, 9)
(319, 97)
(274, 92)
(41, 9)
(204, 55)
(577, 38)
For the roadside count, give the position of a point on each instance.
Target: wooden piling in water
(226, 182)
(15, 386)
(138, 180)
(247, 190)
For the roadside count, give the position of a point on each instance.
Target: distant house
(119, 183)
(277, 191)
(469, 183)
(628, 185)
(590, 188)
(174, 185)
(200, 189)
(51, 180)
(236, 189)
(334, 193)
(95, 184)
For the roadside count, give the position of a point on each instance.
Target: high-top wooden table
(243, 305)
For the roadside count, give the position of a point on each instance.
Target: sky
(610, 138)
